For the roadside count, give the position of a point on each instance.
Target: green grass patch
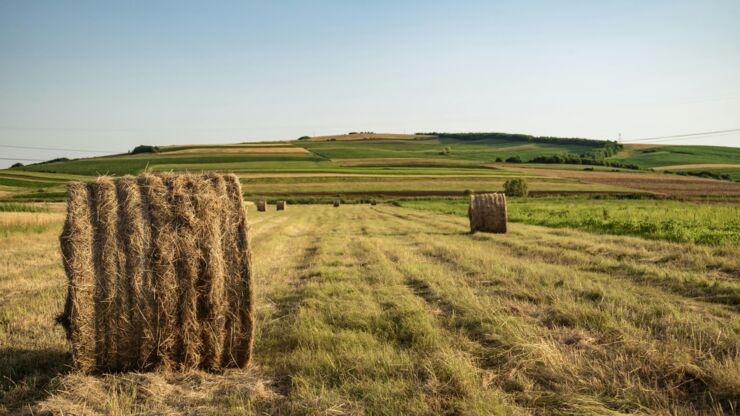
(15, 207)
(678, 155)
(701, 223)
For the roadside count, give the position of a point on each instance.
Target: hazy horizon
(93, 76)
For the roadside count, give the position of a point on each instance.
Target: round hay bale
(281, 205)
(261, 206)
(159, 271)
(336, 203)
(487, 213)
(373, 202)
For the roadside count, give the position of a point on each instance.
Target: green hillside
(652, 157)
(368, 164)
(440, 149)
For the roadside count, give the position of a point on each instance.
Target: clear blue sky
(107, 76)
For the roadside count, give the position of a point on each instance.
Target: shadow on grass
(25, 374)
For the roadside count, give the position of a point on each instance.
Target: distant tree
(498, 159)
(304, 137)
(516, 187)
(145, 148)
(514, 159)
(16, 165)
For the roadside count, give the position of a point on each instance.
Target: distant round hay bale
(281, 205)
(487, 213)
(261, 206)
(373, 202)
(159, 271)
(336, 203)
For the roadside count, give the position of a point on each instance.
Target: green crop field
(679, 155)
(485, 150)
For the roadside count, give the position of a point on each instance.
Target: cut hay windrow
(487, 212)
(281, 205)
(261, 206)
(159, 271)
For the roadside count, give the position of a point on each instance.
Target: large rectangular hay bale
(487, 212)
(159, 271)
(261, 206)
(281, 205)
(336, 203)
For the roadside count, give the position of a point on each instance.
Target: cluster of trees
(582, 159)
(145, 148)
(704, 174)
(516, 187)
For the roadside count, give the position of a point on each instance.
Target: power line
(683, 136)
(56, 149)
(17, 158)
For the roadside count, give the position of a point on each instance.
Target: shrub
(516, 187)
(514, 159)
(304, 137)
(16, 165)
(498, 159)
(144, 148)
(468, 192)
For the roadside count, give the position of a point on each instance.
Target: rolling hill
(361, 165)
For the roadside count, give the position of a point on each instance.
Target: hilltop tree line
(602, 149)
(527, 138)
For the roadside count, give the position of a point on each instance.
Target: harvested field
(422, 187)
(373, 175)
(657, 183)
(385, 310)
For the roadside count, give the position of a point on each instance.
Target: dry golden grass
(385, 310)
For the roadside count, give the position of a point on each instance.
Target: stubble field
(387, 310)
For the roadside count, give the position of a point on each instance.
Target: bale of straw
(261, 206)
(373, 202)
(336, 203)
(487, 213)
(281, 205)
(159, 271)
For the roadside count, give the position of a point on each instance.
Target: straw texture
(487, 212)
(159, 271)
